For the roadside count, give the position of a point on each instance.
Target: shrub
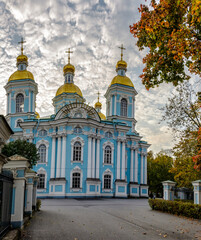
(38, 205)
(186, 209)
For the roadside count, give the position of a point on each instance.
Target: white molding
(76, 169)
(43, 171)
(46, 143)
(105, 144)
(22, 120)
(77, 139)
(107, 172)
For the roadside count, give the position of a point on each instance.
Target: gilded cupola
(98, 107)
(121, 68)
(22, 63)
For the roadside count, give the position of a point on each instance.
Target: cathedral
(83, 153)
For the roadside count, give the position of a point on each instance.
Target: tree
(182, 112)
(158, 171)
(171, 30)
(23, 148)
(183, 165)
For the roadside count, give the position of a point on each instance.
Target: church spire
(22, 60)
(121, 66)
(69, 69)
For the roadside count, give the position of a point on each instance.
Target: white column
(123, 162)
(10, 102)
(93, 158)
(89, 158)
(131, 167)
(98, 158)
(29, 101)
(29, 188)
(58, 158)
(115, 104)
(142, 169)
(111, 106)
(63, 161)
(53, 157)
(145, 170)
(133, 108)
(118, 159)
(136, 165)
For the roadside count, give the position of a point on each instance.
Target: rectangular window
(41, 181)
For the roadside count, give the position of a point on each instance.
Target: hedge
(176, 207)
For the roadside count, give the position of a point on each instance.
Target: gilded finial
(21, 42)
(98, 95)
(69, 52)
(122, 48)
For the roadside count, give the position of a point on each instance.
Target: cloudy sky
(93, 29)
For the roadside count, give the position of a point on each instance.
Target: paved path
(107, 219)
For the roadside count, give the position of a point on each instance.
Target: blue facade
(82, 153)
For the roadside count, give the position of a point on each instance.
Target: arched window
(42, 133)
(19, 102)
(108, 155)
(69, 78)
(77, 151)
(108, 135)
(124, 107)
(41, 181)
(107, 181)
(18, 122)
(42, 153)
(76, 180)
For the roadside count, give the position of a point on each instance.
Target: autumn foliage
(171, 30)
(197, 158)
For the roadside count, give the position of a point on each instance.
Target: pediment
(77, 110)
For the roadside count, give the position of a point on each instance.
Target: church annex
(83, 153)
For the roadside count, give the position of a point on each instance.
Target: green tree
(23, 148)
(183, 165)
(171, 32)
(158, 170)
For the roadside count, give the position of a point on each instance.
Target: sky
(93, 29)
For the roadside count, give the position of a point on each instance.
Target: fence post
(168, 192)
(29, 191)
(197, 191)
(18, 165)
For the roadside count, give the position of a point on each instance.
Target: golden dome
(69, 88)
(121, 64)
(37, 115)
(68, 68)
(98, 105)
(102, 116)
(20, 75)
(123, 80)
(22, 58)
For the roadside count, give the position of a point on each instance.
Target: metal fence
(6, 188)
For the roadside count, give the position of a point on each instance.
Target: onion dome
(22, 63)
(20, 75)
(68, 68)
(69, 88)
(98, 107)
(123, 80)
(121, 64)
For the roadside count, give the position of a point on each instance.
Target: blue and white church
(83, 153)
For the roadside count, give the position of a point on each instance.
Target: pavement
(107, 219)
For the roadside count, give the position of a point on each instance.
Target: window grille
(18, 122)
(41, 181)
(42, 153)
(124, 107)
(108, 135)
(19, 103)
(108, 155)
(77, 130)
(76, 180)
(42, 133)
(77, 148)
(107, 182)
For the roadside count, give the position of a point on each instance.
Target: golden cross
(98, 95)
(22, 41)
(122, 48)
(69, 52)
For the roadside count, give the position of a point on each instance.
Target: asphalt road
(107, 219)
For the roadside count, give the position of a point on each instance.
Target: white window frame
(105, 144)
(76, 169)
(42, 161)
(107, 172)
(121, 111)
(77, 139)
(46, 143)
(22, 120)
(42, 171)
(16, 101)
